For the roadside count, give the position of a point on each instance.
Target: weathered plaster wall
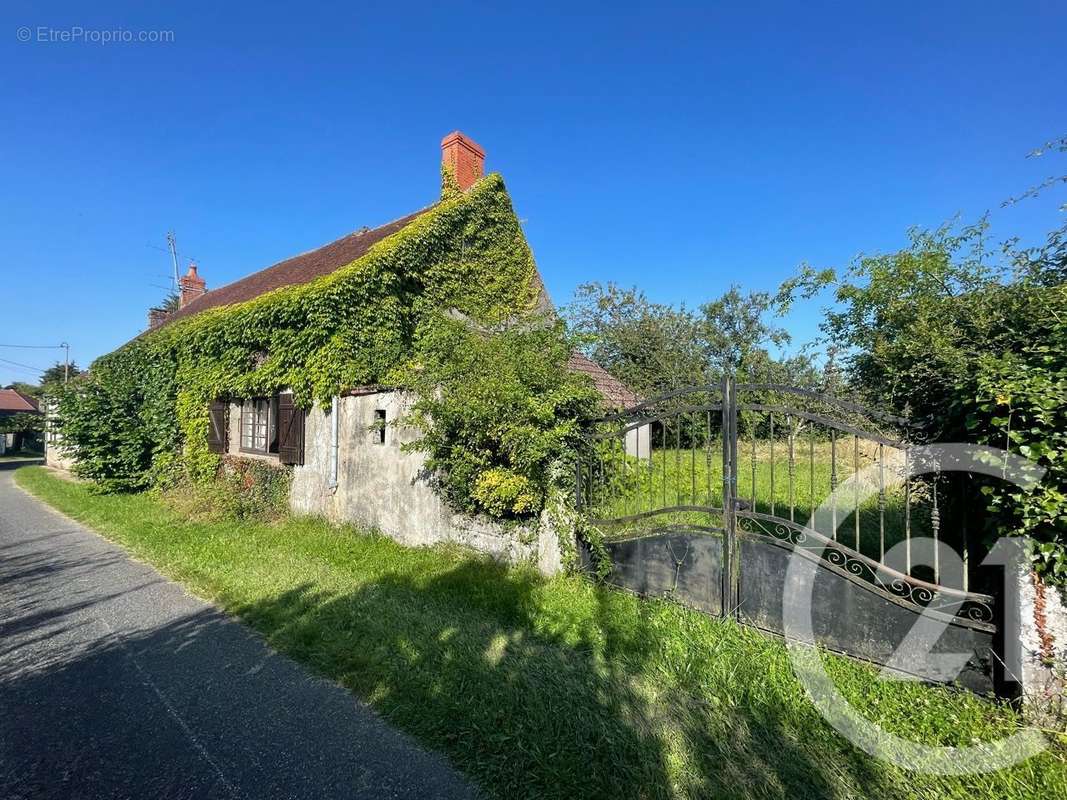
(381, 486)
(54, 454)
(1042, 631)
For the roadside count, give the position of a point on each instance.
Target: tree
(649, 346)
(28, 389)
(735, 333)
(655, 348)
(172, 302)
(25, 426)
(497, 411)
(58, 373)
(1055, 146)
(971, 344)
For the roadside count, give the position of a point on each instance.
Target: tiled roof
(296, 270)
(12, 402)
(328, 258)
(616, 394)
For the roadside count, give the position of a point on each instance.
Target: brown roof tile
(616, 394)
(328, 258)
(12, 402)
(299, 269)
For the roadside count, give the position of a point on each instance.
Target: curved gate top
(704, 494)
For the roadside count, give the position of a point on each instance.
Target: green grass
(683, 476)
(550, 688)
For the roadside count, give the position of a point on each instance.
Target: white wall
(1041, 629)
(381, 486)
(638, 441)
(55, 455)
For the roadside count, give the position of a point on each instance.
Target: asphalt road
(116, 683)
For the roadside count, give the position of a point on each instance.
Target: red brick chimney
(464, 158)
(192, 286)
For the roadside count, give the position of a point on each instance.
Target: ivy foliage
(139, 418)
(497, 410)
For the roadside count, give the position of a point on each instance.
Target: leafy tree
(55, 374)
(112, 423)
(21, 423)
(972, 345)
(497, 409)
(172, 302)
(655, 347)
(735, 333)
(26, 427)
(1055, 146)
(649, 346)
(28, 389)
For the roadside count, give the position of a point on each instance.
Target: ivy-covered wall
(140, 417)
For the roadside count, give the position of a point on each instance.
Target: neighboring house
(348, 463)
(55, 454)
(13, 403)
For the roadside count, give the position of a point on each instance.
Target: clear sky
(680, 148)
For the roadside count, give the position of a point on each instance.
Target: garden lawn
(765, 482)
(550, 688)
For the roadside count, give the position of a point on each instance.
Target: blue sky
(679, 148)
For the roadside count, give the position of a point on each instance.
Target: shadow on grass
(14, 462)
(454, 659)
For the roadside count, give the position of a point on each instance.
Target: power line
(35, 346)
(63, 346)
(22, 367)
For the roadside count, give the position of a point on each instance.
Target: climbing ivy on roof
(140, 418)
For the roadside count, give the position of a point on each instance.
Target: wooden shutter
(290, 431)
(217, 429)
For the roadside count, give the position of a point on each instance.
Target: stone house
(347, 460)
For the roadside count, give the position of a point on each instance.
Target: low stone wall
(380, 485)
(1042, 630)
(57, 458)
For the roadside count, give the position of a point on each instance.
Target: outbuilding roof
(13, 402)
(616, 394)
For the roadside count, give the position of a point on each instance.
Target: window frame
(270, 424)
(381, 424)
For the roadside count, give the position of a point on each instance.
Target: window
(259, 425)
(379, 426)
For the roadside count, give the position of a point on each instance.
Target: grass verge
(550, 688)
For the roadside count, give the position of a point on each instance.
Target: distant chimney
(192, 286)
(156, 317)
(463, 158)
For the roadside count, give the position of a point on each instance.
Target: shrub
(496, 410)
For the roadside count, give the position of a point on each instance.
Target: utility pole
(66, 361)
(173, 245)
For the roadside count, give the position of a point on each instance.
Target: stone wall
(380, 485)
(1042, 632)
(55, 455)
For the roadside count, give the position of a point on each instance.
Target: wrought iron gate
(705, 493)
